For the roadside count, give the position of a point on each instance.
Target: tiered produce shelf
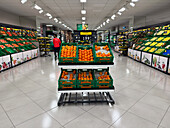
(82, 81)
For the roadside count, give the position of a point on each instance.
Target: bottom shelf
(89, 97)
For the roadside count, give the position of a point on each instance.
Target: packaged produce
(160, 39)
(152, 50)
(153, 44)
(160, 32)
(142, 47)
(166, 39)
(148, 43)
(15, 45)
(147, 48)
(153, 39)
(8, 45)
(159, 51)
(137, 47)
(2, 46)
(3, 41)
(159, 44)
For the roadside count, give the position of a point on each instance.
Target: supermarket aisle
(28, 98)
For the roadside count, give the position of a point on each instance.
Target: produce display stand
(16, 47)
(153, 48)
(85, 95)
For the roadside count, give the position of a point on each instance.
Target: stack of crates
(103, 59)
(68, 59)
(85, 79)
(103, 78)
(65, 80)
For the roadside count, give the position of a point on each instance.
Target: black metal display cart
(76, 96)
(44, 46)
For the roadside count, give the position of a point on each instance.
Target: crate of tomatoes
(68, 53)
(103, 78)
(103, 53)
(85, 79)
(85, 54)
(67, 79)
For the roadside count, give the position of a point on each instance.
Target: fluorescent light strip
(119, 13)
(83, 12)
(83, 18)
(83, 1)
(122, 9)
(104, 23)
(132, 4)
(108, 20)
(23, 1)
(113, 17)
(49, 25)
(135, 0)
(37, 7)
(41, 11)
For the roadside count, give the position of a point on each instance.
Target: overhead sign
(79, 26)
(85, 33)
(85, 27)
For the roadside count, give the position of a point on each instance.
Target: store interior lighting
(122, 9)
(119, 13)
(49, 25)
(41, 11)
(83, 22)
(132, 4)
(108, 20)
(50, 17)
(135, 0)
(83, 18)
(104, 23)
(113, 17)
(83, 12)
(23, 1)
(83, 1)
(37, 7)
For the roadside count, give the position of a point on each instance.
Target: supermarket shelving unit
(75, 96)
(44, 45)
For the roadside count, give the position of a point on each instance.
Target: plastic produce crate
(88, 83)
(67, 84)
(100, 81)
(103, 59)
(68, 59)
(80, 60)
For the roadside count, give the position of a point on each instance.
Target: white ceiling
(68, 11)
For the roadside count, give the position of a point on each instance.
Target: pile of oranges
(100, 53)
(103, 77)
(85, 76)
(65, 75)
(99, 48)
(86, 55)
(68, 51)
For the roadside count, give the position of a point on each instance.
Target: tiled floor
(28, 98)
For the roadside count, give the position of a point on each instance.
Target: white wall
(155, 18)
(12, 19)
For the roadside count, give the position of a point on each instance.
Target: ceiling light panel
(41, 11)
(132, 4)
(23, 1)
(122, 9)
(83, 18)
(83, 12)
(37, 7)
(135, 0)
(119, 13)
(83, 1)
